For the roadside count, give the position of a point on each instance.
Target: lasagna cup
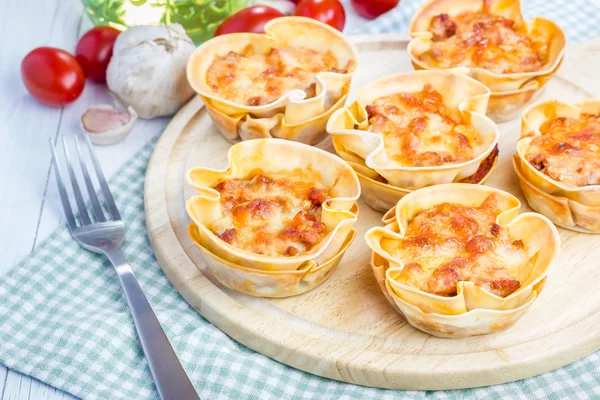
(558, 162)
(261, 283)
(417, 129)
(505, 106)
(375, 190)
(283, 84)
(480, 321)
(457, 252)
(382, 196)
(561, 210)
(490, 41)
(278, 205)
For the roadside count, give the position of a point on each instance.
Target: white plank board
(24, 160)
(29, 204)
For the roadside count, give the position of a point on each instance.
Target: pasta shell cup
(379, 265)
(382, 196)
(510, 92)
(505, 106)
(378, 195)
(479, 321)
(465, 97)
(277, 156)
(562, 211)
(533, 118)
(246, 127)
(543, 246)
(262, 283)
(292, 116)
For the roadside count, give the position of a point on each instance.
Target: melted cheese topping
(480, 39)
(418, 129)
(255, 79)
(450, 242)
(568, 150)
(270, 215)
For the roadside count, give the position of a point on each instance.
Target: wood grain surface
(345, 329)
(30, 209)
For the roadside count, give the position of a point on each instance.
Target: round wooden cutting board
(345, 329)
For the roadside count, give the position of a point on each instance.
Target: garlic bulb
(147, 69)
(106, 125)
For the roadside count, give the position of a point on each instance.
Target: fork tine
(108, 197)
(96, 207)
(64, 197)
(83, 213)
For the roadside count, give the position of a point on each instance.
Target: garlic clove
(105, 124)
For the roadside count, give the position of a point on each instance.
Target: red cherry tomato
(251, 19)
(52, 76)
(372, 9)
(94, 50)
(330, 12)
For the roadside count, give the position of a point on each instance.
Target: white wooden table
(29, 203)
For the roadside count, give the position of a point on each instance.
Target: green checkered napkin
(63, 319)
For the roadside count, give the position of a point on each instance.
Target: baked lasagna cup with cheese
(262, 283)
(489, 40)
(457, 259)
(279, 205)
(416, 129)
(284, 83)
(558, 162)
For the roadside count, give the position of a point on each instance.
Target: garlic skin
(148, 69)
(106, 125)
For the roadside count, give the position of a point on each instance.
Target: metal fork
(105, 235)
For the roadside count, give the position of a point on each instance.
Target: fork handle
(169, 376)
